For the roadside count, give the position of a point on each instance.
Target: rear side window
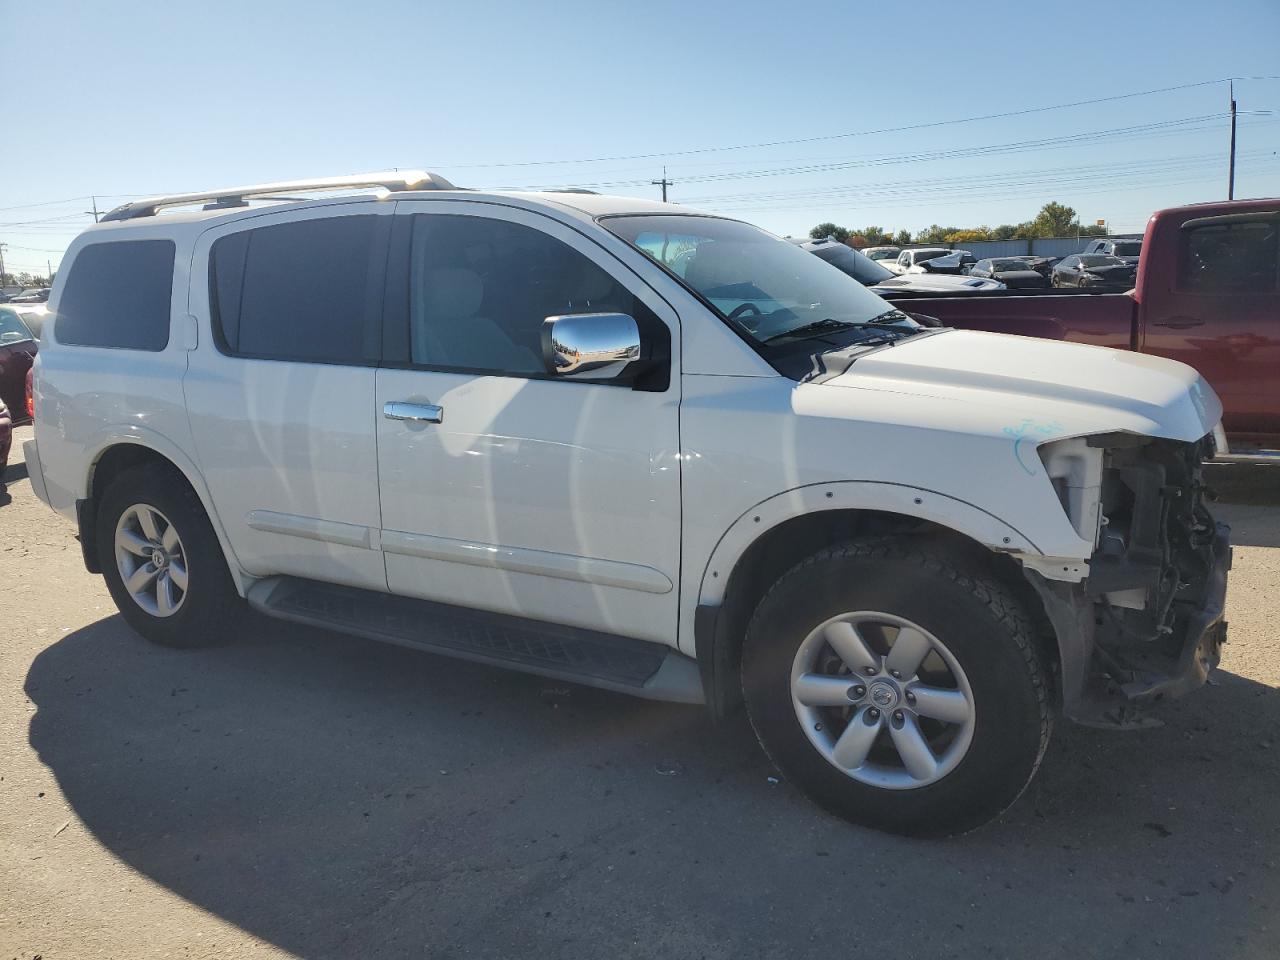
(118, 295)
(302, 291)
(1237, 257)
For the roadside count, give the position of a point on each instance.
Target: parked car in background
(1207, 292)
(879, 280)
(1127, 250)
(1095, 270)
(954, 262)
(17, 352)
(1017, 274)
(31, 314)
(40, 295)
(6, 438)
(911, 258)
(881, 254)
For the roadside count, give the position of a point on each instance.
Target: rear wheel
(162, 561)
(895, 691)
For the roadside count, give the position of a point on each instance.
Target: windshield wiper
(889, 316)
(817, 326)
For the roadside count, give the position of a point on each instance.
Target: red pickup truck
(1208, 294)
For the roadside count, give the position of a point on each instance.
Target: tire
(208, 609)
(981, 649)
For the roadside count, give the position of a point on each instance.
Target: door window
(301, 290)
(1237, 257)
(118, 295)
(480, 289)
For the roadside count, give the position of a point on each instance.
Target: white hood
(1067, 389)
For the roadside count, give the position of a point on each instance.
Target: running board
(622, 664)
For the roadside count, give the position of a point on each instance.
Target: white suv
(620, 443)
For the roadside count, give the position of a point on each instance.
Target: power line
(1136, 131)
(862, 133)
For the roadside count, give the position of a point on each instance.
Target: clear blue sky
(118, 98)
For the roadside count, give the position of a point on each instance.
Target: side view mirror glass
(592, 346)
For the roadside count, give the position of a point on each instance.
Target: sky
(783, 114)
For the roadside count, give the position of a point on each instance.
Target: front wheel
(896, 691)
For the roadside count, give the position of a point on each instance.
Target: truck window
(480, 289)
(296, 291)
(118, 295)
(1237, 257)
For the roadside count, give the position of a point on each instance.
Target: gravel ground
(302, 793)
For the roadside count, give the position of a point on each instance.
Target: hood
(1065, 389)
(938, 282)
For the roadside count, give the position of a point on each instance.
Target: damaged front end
(1146, 622)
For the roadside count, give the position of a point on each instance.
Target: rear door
(520, 493)
(1220, 313)
(280, 389)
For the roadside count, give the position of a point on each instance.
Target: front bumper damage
(1147, 623)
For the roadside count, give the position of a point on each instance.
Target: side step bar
(622, 664)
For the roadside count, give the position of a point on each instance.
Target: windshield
(1010, 265)
(768, 289)
(883, 253)
(1102, 260)
(1130, 249)
(12, 329)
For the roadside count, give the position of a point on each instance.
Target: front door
(512, 491)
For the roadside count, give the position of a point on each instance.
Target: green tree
(1093, 230)
(1055, 220)
(828, 229)
(902, 238)
(935, 234)
(1006, 231)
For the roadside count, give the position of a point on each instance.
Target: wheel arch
(778, 533)
(117, 453)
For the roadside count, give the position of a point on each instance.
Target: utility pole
(664, 183)
(48, 265)
(1230, 168)
(3, 247)
(94, 211)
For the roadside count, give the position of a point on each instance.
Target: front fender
(908, 501)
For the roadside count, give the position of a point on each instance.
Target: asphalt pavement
(300, 793)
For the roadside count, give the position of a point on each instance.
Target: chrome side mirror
(591, 346)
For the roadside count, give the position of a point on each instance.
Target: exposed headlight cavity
(1075, 470)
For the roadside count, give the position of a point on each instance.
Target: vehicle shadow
(342, 798)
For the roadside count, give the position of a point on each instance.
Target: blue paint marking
(1029, 430)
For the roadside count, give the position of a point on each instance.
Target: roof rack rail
(229, 197)
(570, 190)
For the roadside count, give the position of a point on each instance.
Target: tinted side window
(118, 295)
(302, 291)
(480, 290)
(1238, 257)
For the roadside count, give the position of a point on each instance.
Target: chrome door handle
(1179, 323)
(420, 412)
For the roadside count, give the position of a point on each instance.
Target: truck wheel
(162, 561)
(896, 691)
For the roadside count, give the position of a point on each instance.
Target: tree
(1006, 231)
(858, 241)
(1093, 230)
(935, 234)
(1054, 220)
(903, 238)
(824, 230)
(966, 236)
